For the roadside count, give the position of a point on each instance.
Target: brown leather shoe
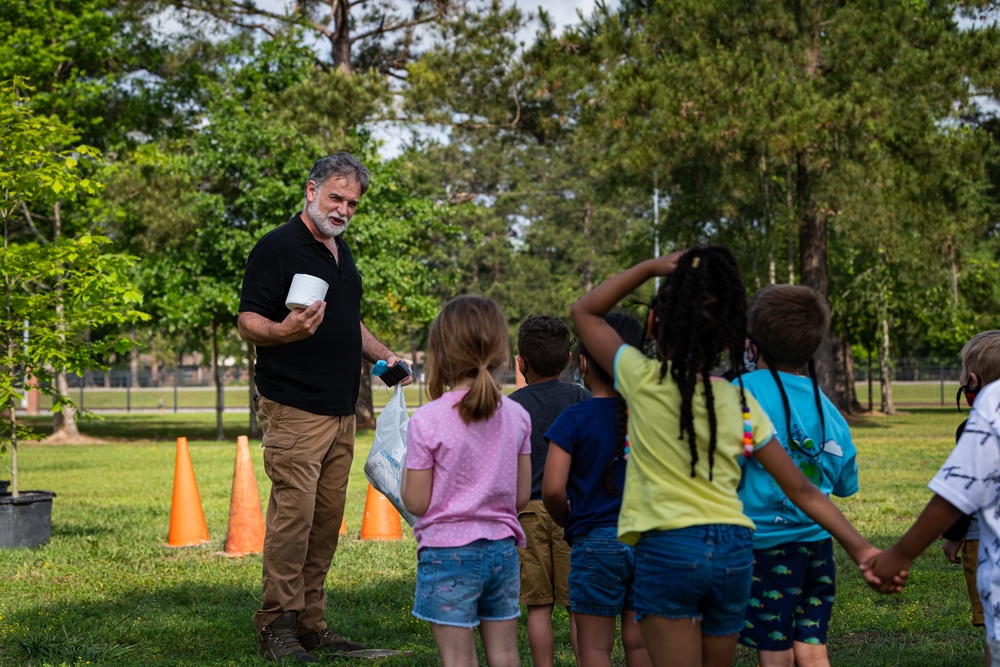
(278, 641)
(328, 641)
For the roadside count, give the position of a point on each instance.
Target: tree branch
(31, 222)
(517, 104)
(396, 26)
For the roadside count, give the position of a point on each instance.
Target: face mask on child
(969, 389)
(750, 356)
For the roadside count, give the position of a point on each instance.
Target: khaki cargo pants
(308, 458)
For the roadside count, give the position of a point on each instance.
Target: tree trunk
(364, 409)
(812, 234)
(9, 341)
(813, 260)
(154, 364)
(220, 395)
(883, 362)
(845, 362)
(340, 41)
(252, 386)
(133, 364)
(12, 408)
(65, 420)
(954, 271)
(871, 373)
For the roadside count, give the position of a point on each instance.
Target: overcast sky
(563, 12)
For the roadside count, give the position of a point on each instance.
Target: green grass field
(107, 591)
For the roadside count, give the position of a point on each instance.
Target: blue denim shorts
(462, 586)
(601, 573)
(702, 572)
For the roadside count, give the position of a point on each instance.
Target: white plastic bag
(384, 467)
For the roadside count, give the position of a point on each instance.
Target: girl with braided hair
(687, 430)
(582, 488)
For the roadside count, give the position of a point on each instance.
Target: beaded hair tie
(627, 448)
(747, 433)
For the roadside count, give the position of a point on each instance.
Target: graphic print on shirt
(955, 472)
(809, 463)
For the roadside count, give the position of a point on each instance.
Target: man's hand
(302, 322)
(392, 360)
(298, 324)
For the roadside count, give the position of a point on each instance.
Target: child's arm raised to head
(557, 464)
(416, 490)
(811, 500)
(588, 313)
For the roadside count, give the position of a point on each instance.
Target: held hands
(885, 571)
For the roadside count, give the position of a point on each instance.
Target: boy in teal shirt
(792, 593)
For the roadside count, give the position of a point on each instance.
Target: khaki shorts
(544, 560)
(970, 563)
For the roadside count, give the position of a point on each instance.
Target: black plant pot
(4, 483)
(25, 521)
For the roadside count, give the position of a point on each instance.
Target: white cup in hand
(305, 291)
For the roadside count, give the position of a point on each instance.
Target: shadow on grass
(195, 625)
(89, 531)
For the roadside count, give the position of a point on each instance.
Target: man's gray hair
(339, 165)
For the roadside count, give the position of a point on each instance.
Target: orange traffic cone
(187, 518)
(381, 521)
(246, 521)
(343, 526)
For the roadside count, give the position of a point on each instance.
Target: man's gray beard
(322, 223)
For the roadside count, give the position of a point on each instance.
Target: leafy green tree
(358, 35)
(53, 293)
(762, 121)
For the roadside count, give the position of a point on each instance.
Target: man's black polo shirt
(321, 373)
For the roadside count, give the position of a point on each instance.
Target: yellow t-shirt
(660, 493)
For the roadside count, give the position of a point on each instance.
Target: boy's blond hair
(981, 355)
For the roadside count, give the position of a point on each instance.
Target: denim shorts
(601, 574)
(462, 586)
(701, 572)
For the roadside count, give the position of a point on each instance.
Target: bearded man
(307, 373)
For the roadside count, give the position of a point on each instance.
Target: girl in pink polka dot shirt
(466, 475)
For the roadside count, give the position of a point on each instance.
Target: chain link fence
(188, 390)
(915, 383)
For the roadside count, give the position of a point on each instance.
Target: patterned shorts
(462, 586)
(791, 597)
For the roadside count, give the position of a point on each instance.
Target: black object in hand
(393, 375)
